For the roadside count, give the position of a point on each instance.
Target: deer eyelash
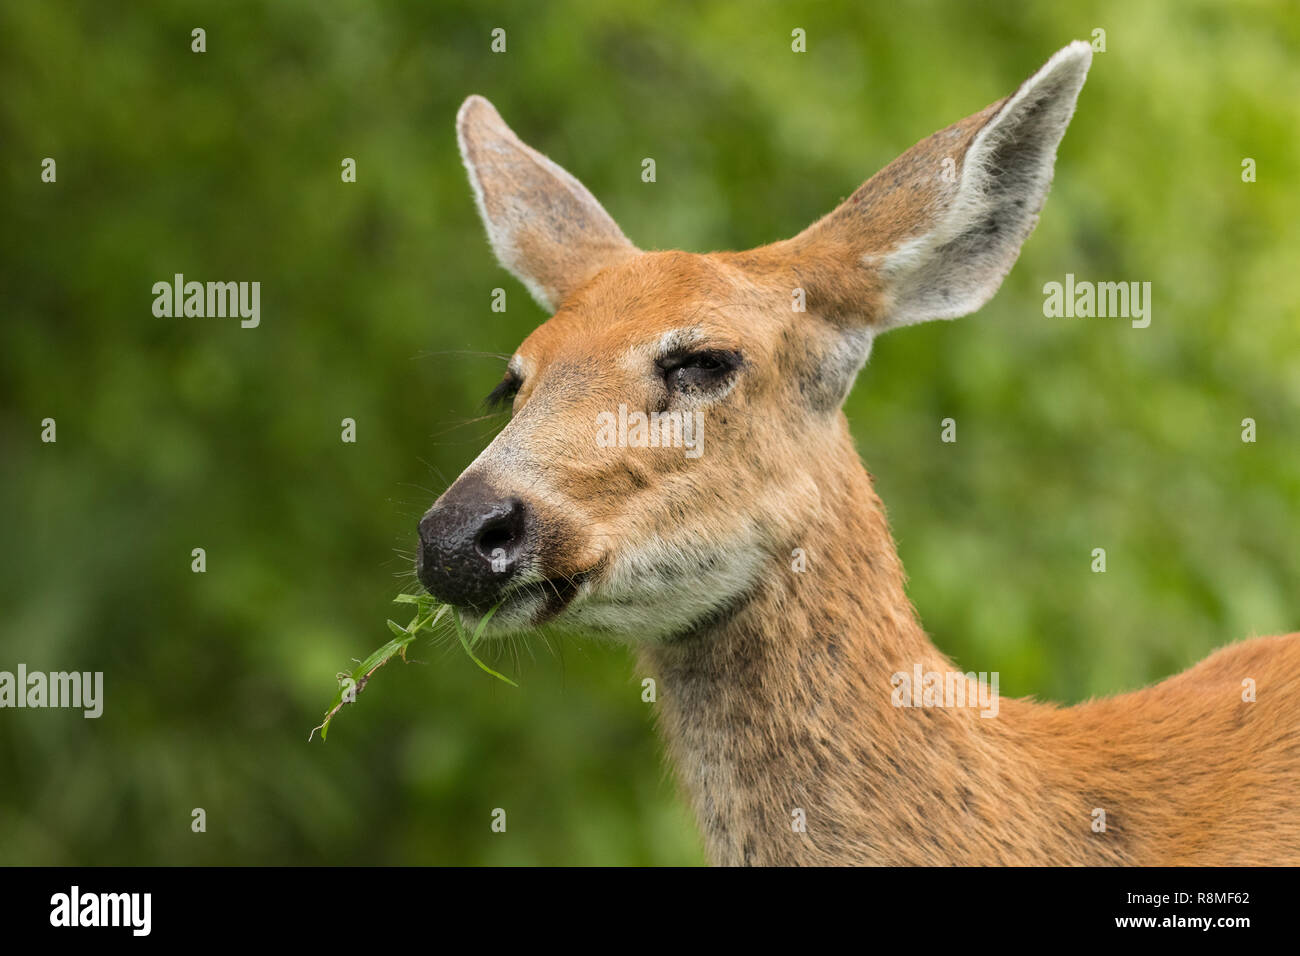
(504, 393)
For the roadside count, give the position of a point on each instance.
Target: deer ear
(932, 235)
(544, 226)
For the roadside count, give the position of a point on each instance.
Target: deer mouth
(559, 592)
(533, 603)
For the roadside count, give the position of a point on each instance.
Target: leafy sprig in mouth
(428, 613)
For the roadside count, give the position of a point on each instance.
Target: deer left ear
(932, 235)
(544, 225)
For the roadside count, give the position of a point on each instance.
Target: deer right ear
(932, 235)
(544, 226)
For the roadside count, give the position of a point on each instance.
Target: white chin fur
(648, 596)
(663, 589)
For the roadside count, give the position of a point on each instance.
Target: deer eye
(701, 371)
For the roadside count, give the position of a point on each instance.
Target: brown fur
(775, 685)
(786, 705)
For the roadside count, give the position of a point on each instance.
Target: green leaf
(428, 613)
(478, 632)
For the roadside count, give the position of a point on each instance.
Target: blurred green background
(182, 433)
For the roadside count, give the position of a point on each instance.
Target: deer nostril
(495, 539)
(501, 537)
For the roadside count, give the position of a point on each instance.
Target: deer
(778, 687)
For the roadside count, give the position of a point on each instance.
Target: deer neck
(781, 718)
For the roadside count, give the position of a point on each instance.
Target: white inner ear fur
(956, 267)
(502, 241)
(534, 195)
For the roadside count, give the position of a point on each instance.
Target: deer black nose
(472, 542)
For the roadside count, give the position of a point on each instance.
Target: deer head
(676, 423)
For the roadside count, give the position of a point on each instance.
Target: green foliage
(182, 433)
(427, 615)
